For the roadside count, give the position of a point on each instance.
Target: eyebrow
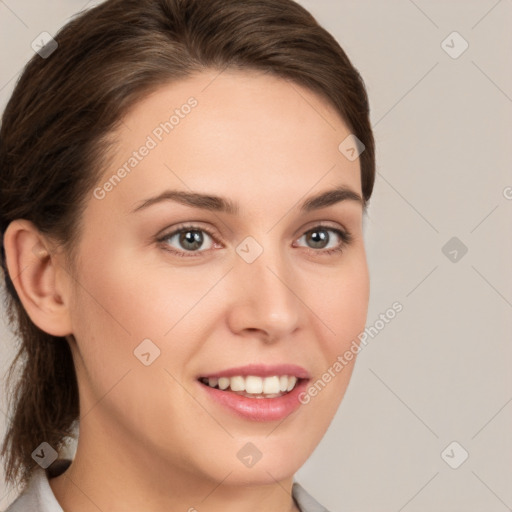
(221, 204)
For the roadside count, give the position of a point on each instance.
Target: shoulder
(29, 499)
(305, 501)
(38, 495)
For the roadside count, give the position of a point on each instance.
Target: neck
(125, 480)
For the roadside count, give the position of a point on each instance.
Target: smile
(255, 392)
(253, 386)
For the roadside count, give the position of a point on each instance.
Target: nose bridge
(265, 295)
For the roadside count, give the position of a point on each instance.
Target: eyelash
(345, 236)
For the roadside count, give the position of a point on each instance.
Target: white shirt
(38, 495)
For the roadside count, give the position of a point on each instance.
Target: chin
(264, 460)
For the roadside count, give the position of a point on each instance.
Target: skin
(150, 439)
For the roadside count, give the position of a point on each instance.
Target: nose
(266, 298)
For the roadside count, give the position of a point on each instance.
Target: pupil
(319, 238)
(192, 237)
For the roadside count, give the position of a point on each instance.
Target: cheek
(342, 301)
(123, 300)
(342, 306)
(131, 299)
(117, 306)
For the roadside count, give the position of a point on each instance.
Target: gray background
(440, 371)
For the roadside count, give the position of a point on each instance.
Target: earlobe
(35, 272)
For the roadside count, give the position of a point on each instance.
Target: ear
(38, 276)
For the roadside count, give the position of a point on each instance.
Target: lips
(262, 371)
(257, 392)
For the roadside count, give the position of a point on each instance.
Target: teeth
(254, 385)
(271, 385)
(223, 383)
(291, 383)
(237, 384)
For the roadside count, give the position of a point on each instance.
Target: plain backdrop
(435, 384)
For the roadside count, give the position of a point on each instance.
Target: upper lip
(261, 370)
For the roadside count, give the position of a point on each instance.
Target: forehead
(245, 134)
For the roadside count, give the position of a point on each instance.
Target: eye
(188, 238)
(319, 238)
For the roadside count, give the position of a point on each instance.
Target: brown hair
(55, 136)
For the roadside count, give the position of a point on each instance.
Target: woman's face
(154, 312)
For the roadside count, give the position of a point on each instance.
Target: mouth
(254, 386)
(257, 392)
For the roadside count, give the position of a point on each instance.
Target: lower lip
(258, 409)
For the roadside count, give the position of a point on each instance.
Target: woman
(183, 184)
